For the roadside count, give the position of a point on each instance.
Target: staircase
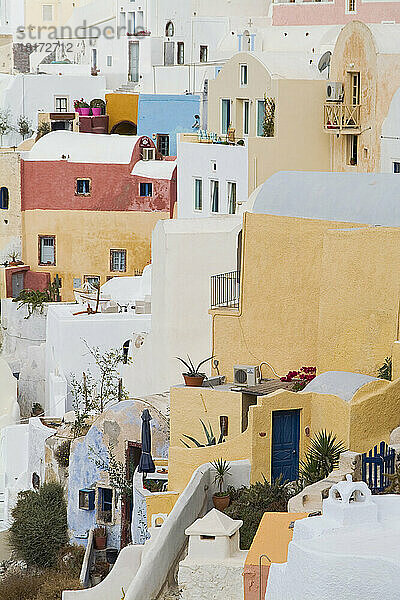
(127, 88)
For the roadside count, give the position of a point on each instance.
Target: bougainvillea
(301, 377)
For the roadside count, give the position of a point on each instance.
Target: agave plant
(211, 440)
(193, 371)
(321, 457)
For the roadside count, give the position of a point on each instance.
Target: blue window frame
(83, 187)
(146, 189)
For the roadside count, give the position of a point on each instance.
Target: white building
(351, 551)
(185, 253)
(26, 95)
(212, 178)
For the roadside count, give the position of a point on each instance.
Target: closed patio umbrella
(146, 464)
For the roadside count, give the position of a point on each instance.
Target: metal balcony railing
(339, 117)
(225, 290)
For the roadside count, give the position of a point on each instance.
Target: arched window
(169, 30)
(125, 350)
(4, 198)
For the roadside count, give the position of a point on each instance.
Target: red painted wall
(32, 280)
(51, 185)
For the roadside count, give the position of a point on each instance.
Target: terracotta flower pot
(221, 502)
(100, 542)
(196, 381)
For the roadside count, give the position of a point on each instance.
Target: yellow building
(53, 13)
(273, 101)
(122, 110)
(360, 410)
(297, 306)
(365, 74)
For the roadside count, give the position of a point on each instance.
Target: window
(163, 144)
(225, 115)
(47, 250)
(83, 187)
(61, 104)
(118, 261)
(4, 198)
(47, 12)
(352, 150)
(213, 165)
(243, 75)
(93, 280)
(355, 88)
(260, 117)
(169, 29)
(131, 22)
(181, 53)
(203, 54)
(396, 167)
(109, 61)
(125, 351)
(214, 193)
(104, 505)
(122, 21)
(146, 189)
(246, 111)
(231, 198)
(169, 53)
(86, 499)
(148, 154)
(351, 6)
(198, 194)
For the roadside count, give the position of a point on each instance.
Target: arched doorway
(124, 128)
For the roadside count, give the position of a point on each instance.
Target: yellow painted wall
(281, 278)
(185, 414)
(396, 360)
(160, 503)
(84, 240)
(272, 537)
(122, 107)
(299, 142)
(359, 299)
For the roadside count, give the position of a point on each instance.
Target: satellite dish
(324, 61)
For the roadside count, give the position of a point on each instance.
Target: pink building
(334, 12)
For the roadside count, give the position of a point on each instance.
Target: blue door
(285, 444)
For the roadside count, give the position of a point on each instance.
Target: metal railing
(340, 117)
(225, 290)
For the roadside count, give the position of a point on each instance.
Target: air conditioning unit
(246, 375)
(334, 91)
(148, 154)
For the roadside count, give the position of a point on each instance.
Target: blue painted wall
(168, 114)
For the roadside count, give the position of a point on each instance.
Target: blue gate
(285, 444)
(376, 464)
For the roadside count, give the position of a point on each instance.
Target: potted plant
(97, 105)
(221, 469)
(14, 259)
(84, 108)
(100, 538)
(37, 409)
(193, 377)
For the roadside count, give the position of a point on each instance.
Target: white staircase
(127, 88)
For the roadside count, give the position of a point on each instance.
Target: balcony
(225, 290)
(342, 118)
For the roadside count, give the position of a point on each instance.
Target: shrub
(39, 526)
(55, 583)
(250, 503)
(20, 586)
(385, 371)
(61, 454)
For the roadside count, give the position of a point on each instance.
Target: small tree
(5, 123)
(83, 401)
(24, 127)
(115, 469)
(109, 389)
(43, 129)
(39, 526)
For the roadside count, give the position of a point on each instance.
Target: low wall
(148, 578)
